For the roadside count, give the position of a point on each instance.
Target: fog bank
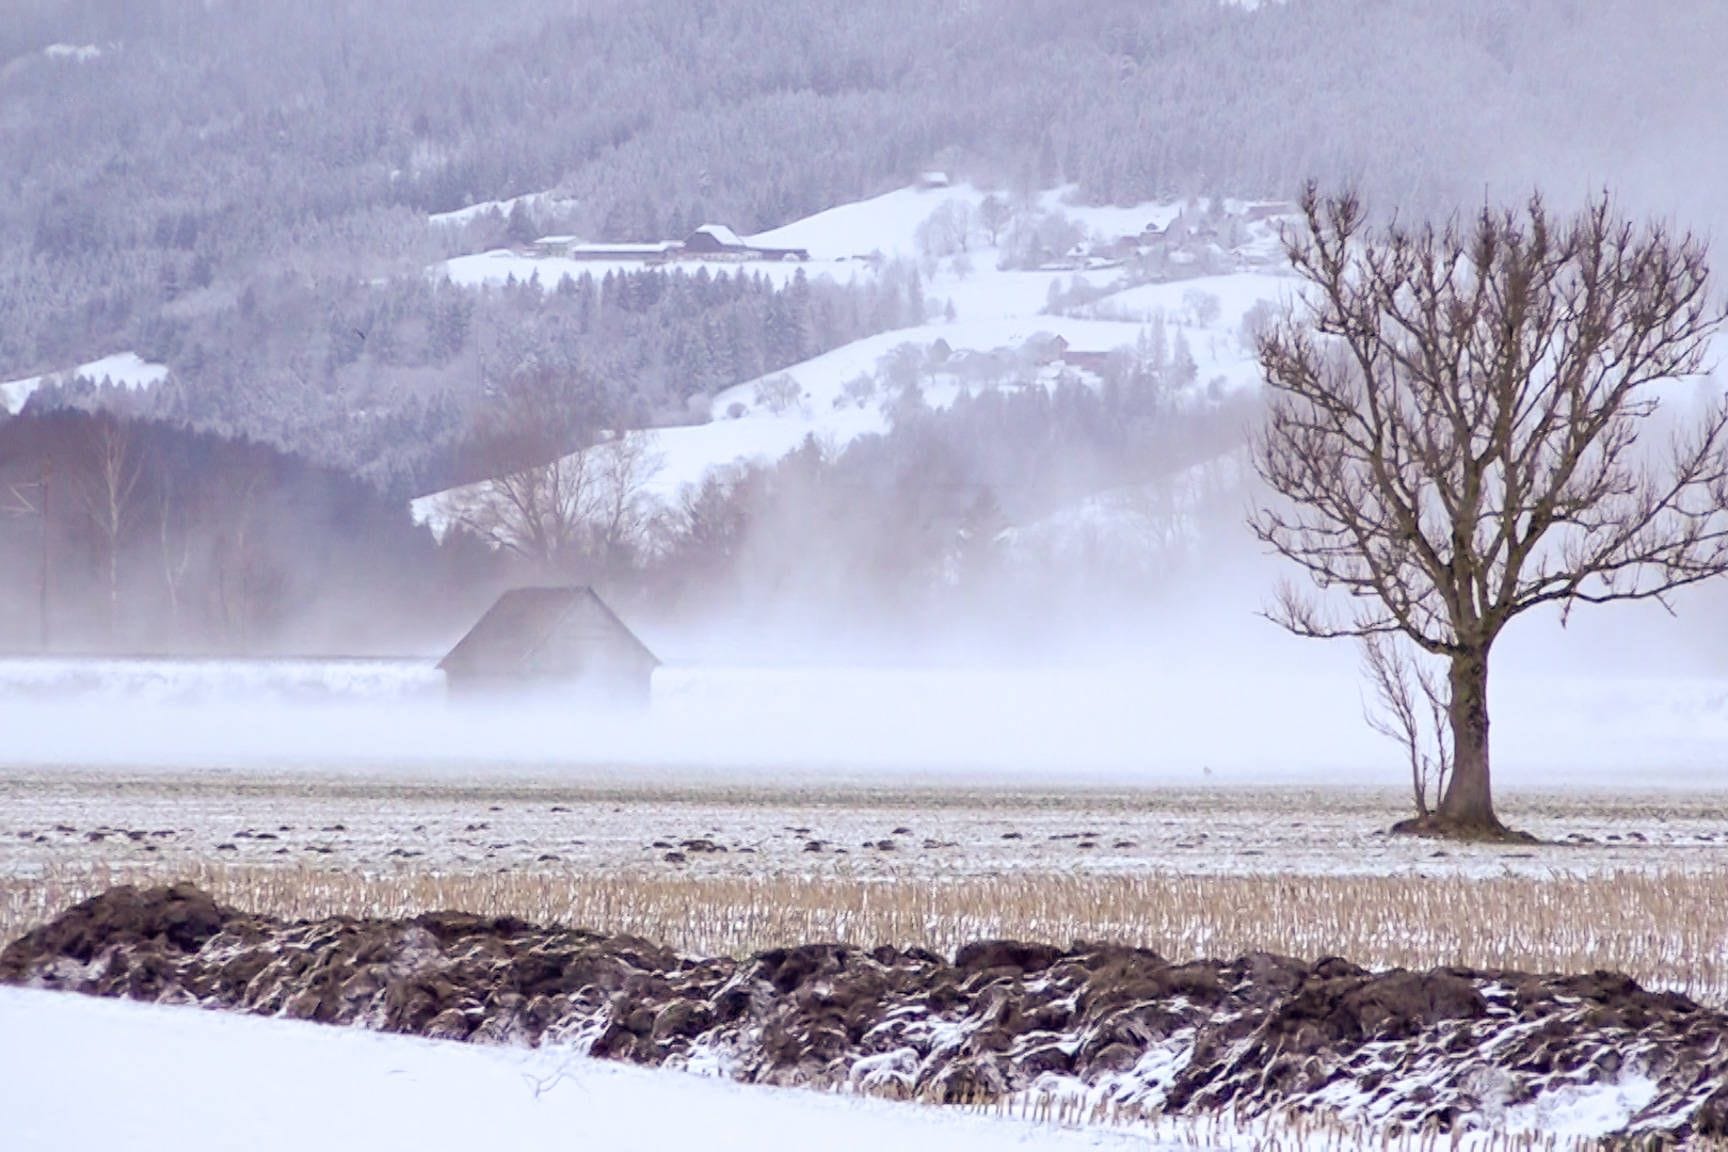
(1221, 724)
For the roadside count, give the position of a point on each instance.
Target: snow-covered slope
(889, 223)
(503, 264)
(995, 310)
(1236, 294)
(749, 427)
(461, 216)
(123, 369)
(1102, 305)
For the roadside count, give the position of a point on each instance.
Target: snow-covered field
(889, 223)
(994, 769)
(166, 680)
(886, 778)
(123, 370)
(82, 1073)
(596, 820)
(1259, 719)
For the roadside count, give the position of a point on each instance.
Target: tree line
(386, 380)
(128, 535)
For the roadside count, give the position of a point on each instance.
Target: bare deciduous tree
(562, 496)
(947, 230)
(535, 512)
(173, 540)
(994, 214)
(246, 583)
(1410, 708)
(109, 479)
(529, 443)
(619, 526)
(1454, 426)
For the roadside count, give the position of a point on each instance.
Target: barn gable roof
(721, 234)
(524, 619)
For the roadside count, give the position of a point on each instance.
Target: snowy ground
(82, 1073)
(123, 370)
(889, 223)
(1190, 767)
(359, 767)
(465, 215)
(612, 822)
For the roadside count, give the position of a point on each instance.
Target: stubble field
(1637, 883)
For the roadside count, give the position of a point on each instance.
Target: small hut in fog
(551, 642)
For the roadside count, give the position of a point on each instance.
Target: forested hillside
(239, 201)
(240, 190)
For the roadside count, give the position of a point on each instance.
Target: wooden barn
(560, 642)
(716, 241)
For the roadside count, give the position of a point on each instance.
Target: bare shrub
(1412, 710)
(778, 393)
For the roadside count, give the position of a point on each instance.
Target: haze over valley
(943, 551)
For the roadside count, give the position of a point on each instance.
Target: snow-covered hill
(889, 223)
(123, 369)
(762, 420)
(460, 216)
(993, 318)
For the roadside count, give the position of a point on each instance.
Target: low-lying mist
(1123, 645)
(1200, 692)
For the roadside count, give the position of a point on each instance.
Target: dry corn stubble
(1667, 929)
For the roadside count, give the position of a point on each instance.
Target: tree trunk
(42, 592)
(1469, 804)
(113, 587)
